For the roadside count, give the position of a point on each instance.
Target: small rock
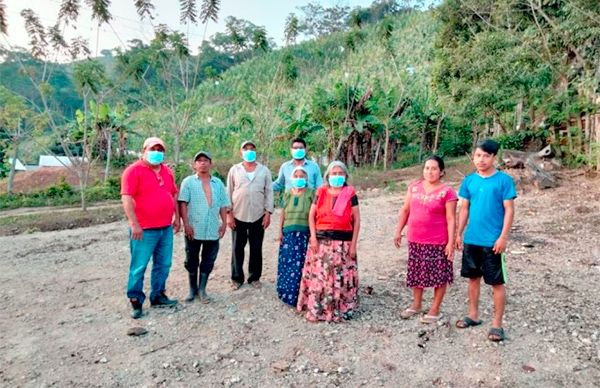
(136, 331)
(368, 290)
(235, 380)
(528, 368)
(342, 370)
(280, 366)
(103, 360)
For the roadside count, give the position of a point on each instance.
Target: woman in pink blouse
(429, 211)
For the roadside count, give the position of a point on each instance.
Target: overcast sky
(126, 24)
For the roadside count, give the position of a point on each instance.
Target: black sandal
(496, 334)
(467, 322)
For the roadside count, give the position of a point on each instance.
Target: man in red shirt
(149, 196)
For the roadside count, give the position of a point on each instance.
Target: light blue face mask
(336, 180)
(298, 153)
(249, 155)
(299, 183)
(155, 157)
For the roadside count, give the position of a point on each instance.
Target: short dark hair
(490, 146)
(439, 161)
(298, 140)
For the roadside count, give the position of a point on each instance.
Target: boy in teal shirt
(487, 211)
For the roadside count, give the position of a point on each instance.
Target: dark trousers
(210, 249)
(253, 233)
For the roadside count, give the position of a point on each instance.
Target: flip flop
(496, 334)
(235, 286)
(467, 322)
(428, 319)
(409, 312)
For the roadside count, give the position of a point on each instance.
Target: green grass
(58, 219)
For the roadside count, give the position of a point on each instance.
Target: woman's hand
(352, 251)
(314, 244)
(449, 251)
(398, 239)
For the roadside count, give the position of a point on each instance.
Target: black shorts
(478, 261)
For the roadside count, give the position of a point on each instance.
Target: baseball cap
(202, 153)
(152, 141)
(244, 144)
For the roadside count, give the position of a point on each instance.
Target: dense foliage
(380, 86)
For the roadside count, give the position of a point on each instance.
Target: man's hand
(458, 243)
(222, 230)
(188, 230)
(230, 221)
(137, 233)
(499, 245)
(176, 225)
(266, 220)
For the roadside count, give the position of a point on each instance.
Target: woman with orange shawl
(329, 285)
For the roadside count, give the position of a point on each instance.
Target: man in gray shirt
(250, 189)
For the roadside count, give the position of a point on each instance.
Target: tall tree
(3, 22)
(291, 31)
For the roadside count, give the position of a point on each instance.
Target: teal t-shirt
(486, 196)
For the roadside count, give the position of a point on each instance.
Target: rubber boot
(202, 292)
(193, 278)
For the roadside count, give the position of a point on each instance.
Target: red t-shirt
(427, 220)
(152, 194)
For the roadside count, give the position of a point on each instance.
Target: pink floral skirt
(329, 285)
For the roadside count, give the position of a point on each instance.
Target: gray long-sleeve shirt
(250, 197)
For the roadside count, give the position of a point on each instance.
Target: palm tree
(292, 27)
(3, 23)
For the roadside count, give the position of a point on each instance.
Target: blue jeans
(158, 245)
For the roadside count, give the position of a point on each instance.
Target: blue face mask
(155, 157)
(336, 180)
(249, 155)
(298, 153)
(299, 183)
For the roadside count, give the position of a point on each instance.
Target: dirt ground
(65, 315)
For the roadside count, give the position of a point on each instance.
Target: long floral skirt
(428, 266)
(329, 285)
(292, 253)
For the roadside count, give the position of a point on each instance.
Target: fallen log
(538, 166)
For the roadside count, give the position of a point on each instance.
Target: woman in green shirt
(293, 237)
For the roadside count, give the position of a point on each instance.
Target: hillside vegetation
(379, 87)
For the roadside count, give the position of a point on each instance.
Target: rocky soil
(65, 317)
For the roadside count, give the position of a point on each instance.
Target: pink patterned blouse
(427, 219)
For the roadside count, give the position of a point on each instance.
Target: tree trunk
(519, 115)
(386, 148)
(177, 146)
(376, 153)
(13, 167)
(108, 154)
(437, 133)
